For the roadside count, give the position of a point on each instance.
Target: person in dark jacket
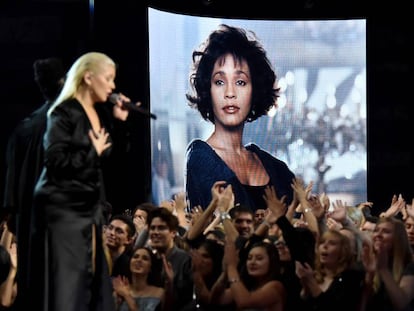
(24, 160)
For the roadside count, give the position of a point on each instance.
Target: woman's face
(257, 263)
(205, 261)
(330, 250)
(102, 82)
(383, 236)
(140, 262)
(231, 91)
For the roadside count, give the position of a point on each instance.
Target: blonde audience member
(389, 268)
(333, 281)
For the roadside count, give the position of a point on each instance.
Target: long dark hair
(216, 252)
(274, 272)
(155, 277)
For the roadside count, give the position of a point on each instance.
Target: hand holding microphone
(114, 97)
(119, 111)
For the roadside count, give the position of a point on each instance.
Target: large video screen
(318, 126)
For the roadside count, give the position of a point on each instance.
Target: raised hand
(225, 199)
(397, 205)
(274, 204)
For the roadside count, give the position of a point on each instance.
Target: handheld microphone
(131, 106)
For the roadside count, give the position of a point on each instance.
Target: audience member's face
(117, 234)
(329, 250)
(140, 262)
(243, 223)
(206, 261)
(383, 235)
(162, 238)
(231, 91)
(257, 262)
(409, 227)
(259, 216)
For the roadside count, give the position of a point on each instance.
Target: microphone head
(113, 98)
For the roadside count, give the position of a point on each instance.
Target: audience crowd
(315, 253)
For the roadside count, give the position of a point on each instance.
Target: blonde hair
(356, 215)
(92, 62)
(401, 253)
(346, 259)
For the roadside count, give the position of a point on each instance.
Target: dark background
(33, 29)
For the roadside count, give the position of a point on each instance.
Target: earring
(208, 115)
(251, 115)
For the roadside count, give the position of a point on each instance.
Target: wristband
(224, 216)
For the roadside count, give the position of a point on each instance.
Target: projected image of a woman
(233, 82)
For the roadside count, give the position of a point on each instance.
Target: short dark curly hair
(49, 75)
(242, 45)
(165, 215)
(128, 221)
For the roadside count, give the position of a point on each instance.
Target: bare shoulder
(157, 291)
(273, 287)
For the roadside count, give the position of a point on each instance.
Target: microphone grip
(131, 106)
